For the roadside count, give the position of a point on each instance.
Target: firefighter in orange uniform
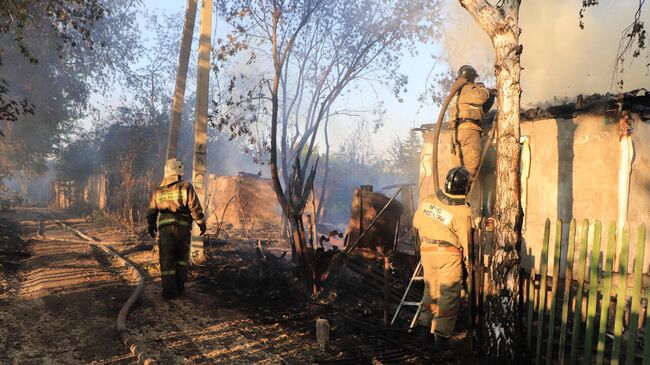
(442, 224)
(467, 108)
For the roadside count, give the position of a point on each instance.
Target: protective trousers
(469, 140)
(174, 258)
(442, 283)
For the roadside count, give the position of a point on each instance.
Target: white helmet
(173, 167)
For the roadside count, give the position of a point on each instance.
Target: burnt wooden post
(386, 289)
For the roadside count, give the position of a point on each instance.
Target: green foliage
(53, 55)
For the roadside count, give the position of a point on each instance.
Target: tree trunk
(179, 91)
(503, 289)
(320, 212)
(500, 22)
(292, 203)
(303, 253)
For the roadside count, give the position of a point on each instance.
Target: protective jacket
(177, 203)
(470, 103)
(442, 218)
(442, 223)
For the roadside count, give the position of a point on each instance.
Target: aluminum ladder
(418, 275)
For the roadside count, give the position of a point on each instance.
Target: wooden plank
(636, 296)
(592, 302)
(568, 275)
(556, 280)
(620, 295)
(607, 289)
(577, 313)
(542, 292)
(531, 306)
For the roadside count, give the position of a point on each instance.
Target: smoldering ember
(324, 182)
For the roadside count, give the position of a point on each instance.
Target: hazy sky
(400, 117)
(559, 58)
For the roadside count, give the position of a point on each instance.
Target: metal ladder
(418, 275)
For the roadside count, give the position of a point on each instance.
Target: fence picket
(636, 296)
(577, 313)
(568, 274)
(556, 280)
(592, 301)
(542, 292)
(620, 295)
(607, 288)
(646, 342)
(531, 305)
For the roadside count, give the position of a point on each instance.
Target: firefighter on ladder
(442, 224)
(467, 108)
(178, 205)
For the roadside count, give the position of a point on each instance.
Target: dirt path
(60, 303)
(59, 306)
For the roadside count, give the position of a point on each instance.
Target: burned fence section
(589, 303)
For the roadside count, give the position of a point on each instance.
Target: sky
(399, 118)
(559, 59)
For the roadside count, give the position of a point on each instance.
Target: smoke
(560, 60)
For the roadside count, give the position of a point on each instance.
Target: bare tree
(501, 22)
(318, 49)
(633, 40)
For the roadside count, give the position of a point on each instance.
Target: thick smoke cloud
(559, 59)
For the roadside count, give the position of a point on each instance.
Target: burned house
(588, 159)
(244, 201)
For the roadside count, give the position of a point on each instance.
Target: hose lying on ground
(136, 349)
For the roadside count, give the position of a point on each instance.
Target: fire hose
(455, 88)
(125, 338)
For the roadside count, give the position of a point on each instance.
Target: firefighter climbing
(468, 105)
(442, 225)
(173, 207)
(469, 102)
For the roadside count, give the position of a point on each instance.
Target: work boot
(424, 336)
(440, 344)
(181, 277)
(169, 289)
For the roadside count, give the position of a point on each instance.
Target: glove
(152, 231)
(202, 227)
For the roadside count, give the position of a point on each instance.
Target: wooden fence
(579, 317)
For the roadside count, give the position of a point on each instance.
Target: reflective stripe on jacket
(177, 202)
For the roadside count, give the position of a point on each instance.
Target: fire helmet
(457, 181)
(467, 72)
(173, 167)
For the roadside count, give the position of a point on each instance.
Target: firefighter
(178, 205)
(442, 224)
(466, 112)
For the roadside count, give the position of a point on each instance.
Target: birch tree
(501, 23)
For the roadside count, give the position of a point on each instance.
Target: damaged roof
(636, 101)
